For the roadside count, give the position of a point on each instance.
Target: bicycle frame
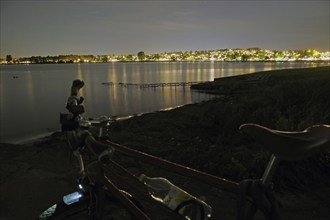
(97, 173)
(270, 170)
(231, 186)
(196, 174)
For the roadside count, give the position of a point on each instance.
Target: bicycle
(104, 196)
(97, 196)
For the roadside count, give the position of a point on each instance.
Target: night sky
(41, 28)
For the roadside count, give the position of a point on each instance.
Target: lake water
(32, 96)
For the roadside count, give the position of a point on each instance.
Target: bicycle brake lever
(77, 138)
(106, 154)
(83, 134)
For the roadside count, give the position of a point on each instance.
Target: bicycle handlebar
(85, 138)
(99, 149)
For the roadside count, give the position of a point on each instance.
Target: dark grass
(205, 136)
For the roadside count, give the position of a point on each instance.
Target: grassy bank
(205, 136)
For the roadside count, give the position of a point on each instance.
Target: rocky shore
(203, 136)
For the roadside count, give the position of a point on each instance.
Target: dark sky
(31, 28)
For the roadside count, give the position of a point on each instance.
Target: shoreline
(10, 129)
(203, 136)
(30, 139)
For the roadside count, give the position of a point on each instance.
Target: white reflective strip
(48, 213)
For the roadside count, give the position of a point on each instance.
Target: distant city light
(230, 55)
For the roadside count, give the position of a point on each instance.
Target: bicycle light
(72, 198)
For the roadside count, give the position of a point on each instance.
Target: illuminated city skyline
(227, 55)
(42, 28)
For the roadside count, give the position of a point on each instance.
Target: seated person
(74, 102)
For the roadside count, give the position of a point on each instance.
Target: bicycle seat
(291, 145)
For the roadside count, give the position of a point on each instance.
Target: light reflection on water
(31, 103)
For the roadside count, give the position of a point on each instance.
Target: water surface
(32, 96)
